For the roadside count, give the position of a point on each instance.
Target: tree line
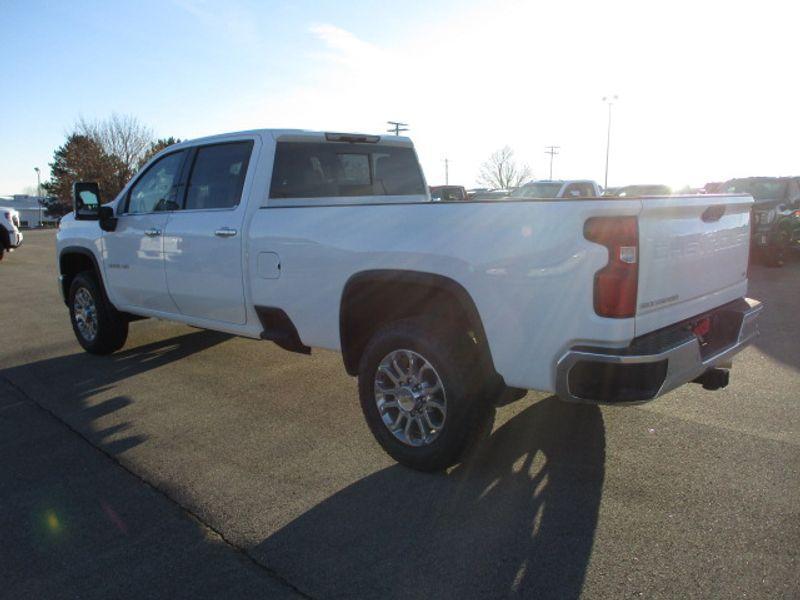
(109, 151)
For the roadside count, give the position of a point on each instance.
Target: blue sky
(182, 67)
(707, 90)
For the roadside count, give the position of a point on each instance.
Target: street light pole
(610, 101)
(39, 193)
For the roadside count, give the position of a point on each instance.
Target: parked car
(472, 191)
(490, 195)
(10, 235)
(776, 221)
(578, 188)
(331, 240)
(448, 193)
(643, 190)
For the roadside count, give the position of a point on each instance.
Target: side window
(587, 191)
(217, 176)
(156, 189)
(326, 170)
(573, 191)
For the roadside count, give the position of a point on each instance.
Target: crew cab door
(134, 251)
(203, 240)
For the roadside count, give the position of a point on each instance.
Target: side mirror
(108, 222)
(86, 200)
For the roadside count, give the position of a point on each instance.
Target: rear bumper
(658, 362)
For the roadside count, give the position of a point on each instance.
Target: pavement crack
(240, 550)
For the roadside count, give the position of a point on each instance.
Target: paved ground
(199, 465)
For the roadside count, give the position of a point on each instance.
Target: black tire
(468, 411)
(111, 326)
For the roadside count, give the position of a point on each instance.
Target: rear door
(203, 239)
(693, 255)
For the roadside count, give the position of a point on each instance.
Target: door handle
(152, 232)
(225, 232)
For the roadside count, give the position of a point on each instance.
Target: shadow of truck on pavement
(519, 518)
(81, 376)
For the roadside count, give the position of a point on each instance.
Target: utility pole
(397, 127)
(39, 193)
(552, 151)
(610, 100)
(446, 171)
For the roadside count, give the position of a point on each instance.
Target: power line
(552, 151)
(397, 127)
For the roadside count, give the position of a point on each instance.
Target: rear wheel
(98, 326)
(420, 393)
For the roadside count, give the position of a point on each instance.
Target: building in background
(31, 213)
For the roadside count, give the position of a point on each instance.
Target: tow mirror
(108, 222)
(86, 200)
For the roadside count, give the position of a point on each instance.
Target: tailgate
(693, 253)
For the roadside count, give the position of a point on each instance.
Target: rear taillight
(615, 285)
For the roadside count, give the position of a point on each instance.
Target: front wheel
(98, 326)
(419, 388)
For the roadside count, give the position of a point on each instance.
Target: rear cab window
(314, 170)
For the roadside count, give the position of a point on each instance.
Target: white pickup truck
(10, 235)
(330, 240)
(547, 188)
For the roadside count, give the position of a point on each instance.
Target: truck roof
(305, 135)
(562, 181)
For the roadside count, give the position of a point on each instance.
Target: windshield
(537, 190)
(759, 189)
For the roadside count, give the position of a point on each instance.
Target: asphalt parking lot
(196, 464)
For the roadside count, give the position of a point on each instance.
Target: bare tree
(501, 170)
(123, 137)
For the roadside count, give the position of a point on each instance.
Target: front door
(134, 252)
(203, 240)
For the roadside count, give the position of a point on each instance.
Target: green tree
(156, 147)
(80, 159)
